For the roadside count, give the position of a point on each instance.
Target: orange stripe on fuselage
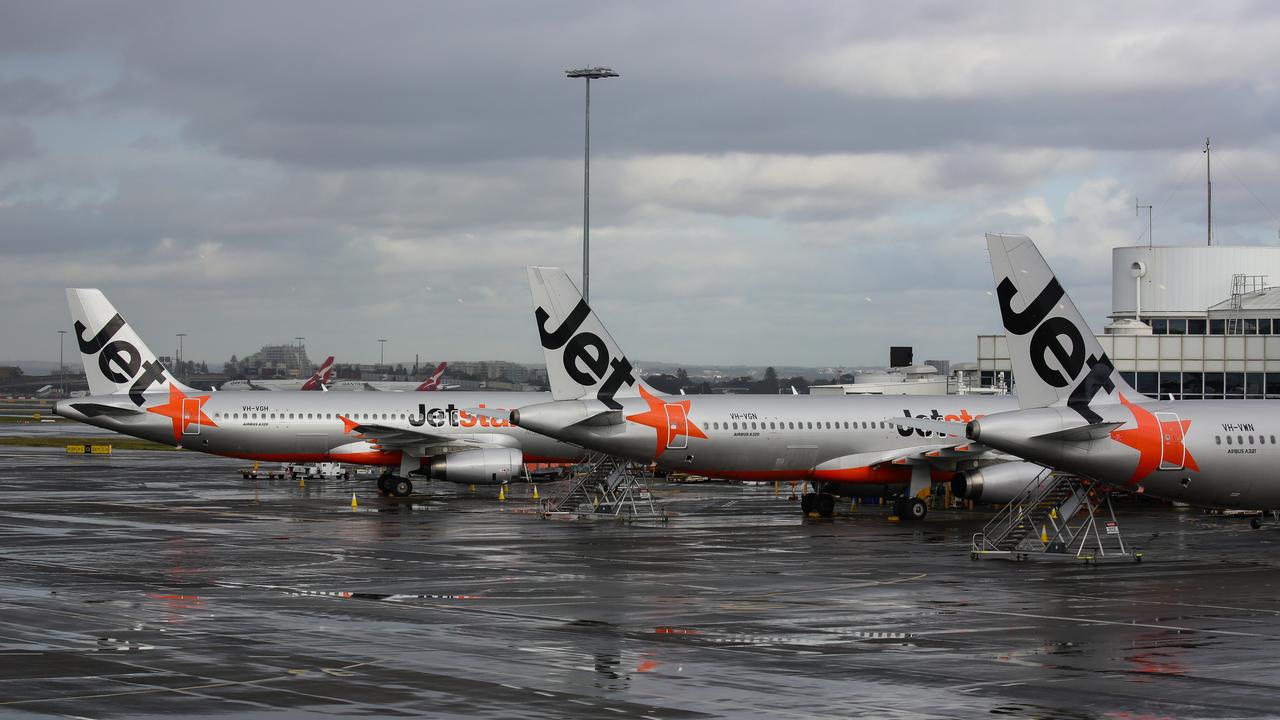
(882, 475)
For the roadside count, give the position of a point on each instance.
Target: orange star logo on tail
(1150, 438)
(183, 420)
(669, 424)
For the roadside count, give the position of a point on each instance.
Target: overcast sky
(786, 183)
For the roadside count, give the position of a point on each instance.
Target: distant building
(278, 361)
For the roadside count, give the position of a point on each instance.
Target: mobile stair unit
(610, 487)
(1056, 515)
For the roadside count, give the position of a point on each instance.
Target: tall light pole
(180, 336)
(589, 74)
(62, 368)
(382, 346)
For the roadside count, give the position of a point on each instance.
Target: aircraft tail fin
(433, 381)
(320, 378)
(1057, 360)
(583, 361)
(116, 361)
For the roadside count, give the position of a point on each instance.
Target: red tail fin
(321, 376)
(433, 382)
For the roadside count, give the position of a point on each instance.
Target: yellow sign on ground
(75, 449)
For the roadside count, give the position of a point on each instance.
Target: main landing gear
(910, 508)
(822, 503)
(389, 484)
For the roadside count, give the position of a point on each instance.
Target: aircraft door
(191, 416)
(677, 427)
(1173, 453)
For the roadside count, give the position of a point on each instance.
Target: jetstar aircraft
(132, 393)
(839, 444)
(318, 381)
(1079, 416)
(433, 382)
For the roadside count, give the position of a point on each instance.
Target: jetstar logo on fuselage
(963, 417)
(452, 416)
(586, 357)
(119, 360)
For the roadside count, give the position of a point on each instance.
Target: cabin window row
(1240, 439)
(792, 425)
(307, 416)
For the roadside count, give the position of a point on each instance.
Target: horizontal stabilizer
(1084, 433)
(942, 427)
(90, 409)
(604, 417)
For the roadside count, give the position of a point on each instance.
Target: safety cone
(471, 488)
(1053, 513)
(535, 492)
(302, 482)
(255, 466)
(776, 486)
(1044, 534)
(354, 504)
(502, 493)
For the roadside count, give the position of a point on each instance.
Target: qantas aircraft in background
(433, 382)
(1079, 416)
(132, 393)
(319, 380)
(839, 444)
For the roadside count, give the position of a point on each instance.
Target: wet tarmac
(152, 583)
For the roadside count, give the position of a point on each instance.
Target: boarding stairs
(1058, 515)
(610, 487)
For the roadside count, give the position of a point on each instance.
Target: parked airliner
(132, 393)
(839, 444)
(1079, 415)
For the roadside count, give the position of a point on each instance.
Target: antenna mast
(1208, 183)
(1137, 210)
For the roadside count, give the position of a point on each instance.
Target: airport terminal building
(1188, 322)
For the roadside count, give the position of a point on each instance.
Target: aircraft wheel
(826, 505)
(808, 503)
(401, 487)
(913, 509)
(1255, 523)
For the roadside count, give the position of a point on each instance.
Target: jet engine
(482, 466)
(996, 483)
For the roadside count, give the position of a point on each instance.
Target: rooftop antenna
(1137, 210)
(1208, 183)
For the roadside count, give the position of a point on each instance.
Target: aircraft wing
(945, 453)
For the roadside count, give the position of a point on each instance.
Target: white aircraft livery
(132, 393)
(839, 444)
(1079, 415)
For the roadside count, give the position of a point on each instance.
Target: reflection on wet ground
(161, 583)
